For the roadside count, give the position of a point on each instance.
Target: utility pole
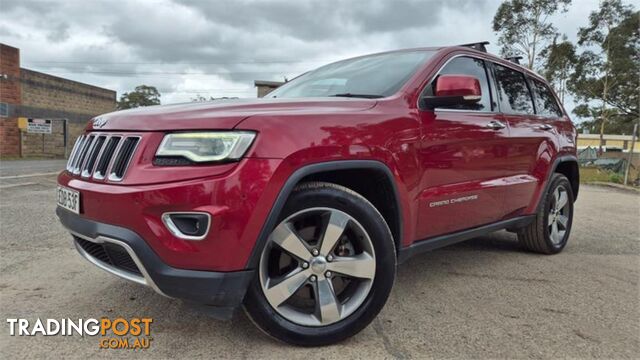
(634, 136)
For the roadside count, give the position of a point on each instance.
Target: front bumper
(238, 201)
(107, 246)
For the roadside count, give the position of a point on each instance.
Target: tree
(142, 95)
(560, 61)
(607, 72)
(200, 98)
(524, 27)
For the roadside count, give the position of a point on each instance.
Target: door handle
(495, 125)
(545, 127)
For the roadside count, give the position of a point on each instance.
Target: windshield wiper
(365, 96)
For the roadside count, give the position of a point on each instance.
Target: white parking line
(16, 185)
(28, 175)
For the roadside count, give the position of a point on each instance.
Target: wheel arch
(337, 172)
(566, 165)
(569, 168)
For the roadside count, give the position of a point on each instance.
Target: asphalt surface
(484, 298)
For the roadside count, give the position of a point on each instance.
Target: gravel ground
(484, 298)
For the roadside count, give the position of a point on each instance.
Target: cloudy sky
(217, 48)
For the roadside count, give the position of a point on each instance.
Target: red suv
(300, 205)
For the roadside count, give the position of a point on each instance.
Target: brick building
(31, 94)
(264, 87)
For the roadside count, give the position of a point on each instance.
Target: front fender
(295, 178)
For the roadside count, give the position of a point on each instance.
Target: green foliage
(524, 27)
(200, 98)
(607, 73)
(142, 95)
(560, 61)
(615, 178)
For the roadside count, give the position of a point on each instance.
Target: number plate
(69, 199)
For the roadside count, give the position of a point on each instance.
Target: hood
(219, 114)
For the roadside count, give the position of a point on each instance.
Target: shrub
(615, 178)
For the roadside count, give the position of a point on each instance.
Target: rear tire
(314, 308)
(549, 232)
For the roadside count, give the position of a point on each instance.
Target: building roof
(268, 83)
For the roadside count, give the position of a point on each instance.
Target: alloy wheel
(558, 218)
(318, 267)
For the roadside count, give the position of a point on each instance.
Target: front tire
(327, 268)
(549, 232)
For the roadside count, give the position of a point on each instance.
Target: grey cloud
(59, 32)
(390, 16)
(33, 6)
(276, 30)
(165, 43)
(6, 31)
(315, 20)
(176, 38)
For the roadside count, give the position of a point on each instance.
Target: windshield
(371, 76)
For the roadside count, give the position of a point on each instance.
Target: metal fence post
(630, 158)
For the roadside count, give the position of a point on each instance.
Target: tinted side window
(467, 66)
(546, 104)
(514, 94)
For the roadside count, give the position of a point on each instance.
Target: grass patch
(591, 174)
(595, 174)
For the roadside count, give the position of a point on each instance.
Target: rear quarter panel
(546, 161)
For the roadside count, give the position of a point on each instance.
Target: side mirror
(454, 90)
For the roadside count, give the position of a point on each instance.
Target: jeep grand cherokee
(299, 206)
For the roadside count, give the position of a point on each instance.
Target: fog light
(187, 225)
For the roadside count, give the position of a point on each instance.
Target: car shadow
(498, 241)
(473, 255)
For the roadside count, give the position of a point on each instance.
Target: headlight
(206, 146)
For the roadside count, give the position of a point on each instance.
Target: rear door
(531, 139)
(463, 155)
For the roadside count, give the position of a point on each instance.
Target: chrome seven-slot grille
(100, 156)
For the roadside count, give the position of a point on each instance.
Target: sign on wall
(35, 126)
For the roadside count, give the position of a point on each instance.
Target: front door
(463, 155)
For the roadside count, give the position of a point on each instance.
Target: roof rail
(514, 59)
(480, 46)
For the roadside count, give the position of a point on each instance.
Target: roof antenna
(480, 46)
